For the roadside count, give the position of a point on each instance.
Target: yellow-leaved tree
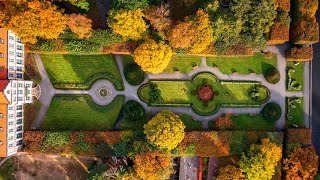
(128, 23)
(165, 130)
(194, 34)
(230, 172)
(33, 19)
(152, 56)
(261, 160)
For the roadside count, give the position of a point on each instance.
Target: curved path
(278, 92)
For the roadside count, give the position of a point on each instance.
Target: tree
(128, 23)
(130, 4)
(158, 17)
(261, 160)
(230, 172)
(152, 56)
(80, 25)
(224, 121)
(83, 4)
(194, 34)
(301, 163)
(32, 20)
(153, 165)
(165, 130)
(134, 111)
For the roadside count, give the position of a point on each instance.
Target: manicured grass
(181, 93)
(79, 112)
(248, 122)
(190, 123)
(80, 71)
(298, 75)
(7, 170)
(297, 114)
(183, 64)
(243, 65)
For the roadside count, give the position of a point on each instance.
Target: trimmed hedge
(299, 54)
(133, 110)
(273, 76)
(299, 135)
(271, 111)
(133, 74)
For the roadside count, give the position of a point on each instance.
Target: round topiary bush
(133, 110)
(273, 76)
(272, 112)
(133, 74)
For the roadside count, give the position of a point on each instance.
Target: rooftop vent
(1, 41)
(1, 129)
(1, 115)
(1, 143)
(1, 55)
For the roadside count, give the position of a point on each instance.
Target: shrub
(97, 172)
(57, 139)
(299, 54)
(305, 31)
(103, 150)
(105, 37)
(133, 111)
(121, 149)
(271, 112)
(299, 135)
(273, 76)
(133, 74)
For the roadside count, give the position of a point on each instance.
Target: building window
(11, 37)
(20, 85)
(19, 47)
(19, 54)
(11, 115)
(10, 130)
(28, 85)
(10, 138)
(20, 91)
(19, 114)
(19, 40)
(10, 108)
(19, 128)
(19, 121)
(11, 53)
(28, 98)
(11, 68)
(11, 60)
(19, 75)
(19, 107)
(19, 143)
(14, 92)
(10, 123)
(19, 135)
(19, 61)
(20, 98)
(19, 68)
(28, 92)
(11, 75)
(11, 45)
(10, 145)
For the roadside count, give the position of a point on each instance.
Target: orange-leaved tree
(158, 16)
(301, 163)
(80, 25)
(152, 56)
(34, 19)
(230, 172)
(165, 130)
(153, 165)
(223, 121)
(128, 23)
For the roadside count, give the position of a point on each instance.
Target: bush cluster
(273, 76)
(299, 54)
(133, 110)
(271, 112)
(133, 74)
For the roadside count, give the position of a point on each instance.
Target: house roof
(3, 133)
(4, 51)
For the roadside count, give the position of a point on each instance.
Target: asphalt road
(316, 93)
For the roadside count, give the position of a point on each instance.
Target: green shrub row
(240, 82)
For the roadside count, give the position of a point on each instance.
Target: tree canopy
(230, 172)
(165, 130)
(152, 56)
(80, 25)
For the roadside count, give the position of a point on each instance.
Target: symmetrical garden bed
(80, 72)
(295, 112)
(79, 112)
(295, 76)
(182, 93)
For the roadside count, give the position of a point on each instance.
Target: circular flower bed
(103, 92)
(205, 93)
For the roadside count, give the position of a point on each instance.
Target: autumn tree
(194, 34)
(260, 161)
(153, 165)
(165, 130)
(224, 121)
(152, 56)
(128, 23)
(129, 4)
(34, 19)
(301, 163)
(158, 16)
(80, 25)
(230, 172)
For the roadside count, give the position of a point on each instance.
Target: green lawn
(248, 122)
(81, 71)
(183, 64)
(181, 93)
(7, 170)
(79, 112)
(243, 65)
(295, 115)
(127, 60)
(190, 123)
(298, 75)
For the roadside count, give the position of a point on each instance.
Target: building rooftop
(3, 53)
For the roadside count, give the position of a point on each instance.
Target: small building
(14, 92)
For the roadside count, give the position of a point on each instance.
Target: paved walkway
(278, 91)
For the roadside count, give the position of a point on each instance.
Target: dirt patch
(48, 167)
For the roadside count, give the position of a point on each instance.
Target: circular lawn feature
(103, 92)
(133, 74)
(271, 112)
